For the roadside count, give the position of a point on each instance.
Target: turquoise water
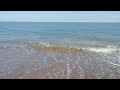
(60, 33)
(23, 44)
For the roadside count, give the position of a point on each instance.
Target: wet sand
(24, 63)
(52, 65)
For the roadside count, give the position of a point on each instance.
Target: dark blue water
(23, 45)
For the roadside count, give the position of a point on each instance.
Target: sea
(59, 50)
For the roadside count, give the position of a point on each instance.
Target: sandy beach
(56, 50)
(58, 65)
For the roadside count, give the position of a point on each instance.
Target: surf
(55, 48)
(69, 48)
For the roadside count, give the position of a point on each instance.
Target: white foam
(46, 44)
(104, 50)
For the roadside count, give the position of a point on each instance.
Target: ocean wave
(104, 50)
(50, 47)
(66, 48)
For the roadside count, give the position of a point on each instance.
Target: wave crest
(48, 47)
(60, 48)
(106, 50)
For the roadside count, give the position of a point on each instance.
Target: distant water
(59, 50)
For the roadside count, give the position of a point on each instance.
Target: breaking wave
(75, 49)
(104, 50)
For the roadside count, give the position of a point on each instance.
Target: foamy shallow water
(59, 50)
(24, 62)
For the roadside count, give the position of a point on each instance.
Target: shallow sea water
(59, 50)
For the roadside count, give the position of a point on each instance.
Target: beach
(59, 50)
